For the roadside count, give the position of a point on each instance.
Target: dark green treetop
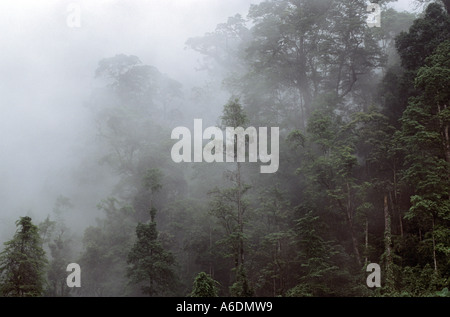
(22, 262)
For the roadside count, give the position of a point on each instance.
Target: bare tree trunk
(434, 245)
(350, 222)
(355, 245)
(240, 217)
(447, 143)
(445, 135)
(302, 78)
(387, 245)
(387, 228)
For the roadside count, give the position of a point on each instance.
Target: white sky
(47, 70)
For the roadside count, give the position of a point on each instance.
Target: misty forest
(363, 175)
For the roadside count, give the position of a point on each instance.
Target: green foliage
(323, 270)
(105, 250)
(423, 37)
(365, 163)
(204, 286)
(364, 178)
(433, 77)
(22, 262)
(233, 114)
(271, 238)
(241, 287)
(420, 281)
(150, 265)
(427, 161)
(444, 293)
(301, 290)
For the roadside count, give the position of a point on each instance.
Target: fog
(47, 74)
(90, 90)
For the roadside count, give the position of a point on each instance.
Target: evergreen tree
(22, 262)
(228, 204)
(241, 288)
(204, 286)
(150, 265)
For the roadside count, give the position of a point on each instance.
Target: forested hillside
(364, 165)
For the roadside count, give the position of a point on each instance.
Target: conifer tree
(22, 262)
